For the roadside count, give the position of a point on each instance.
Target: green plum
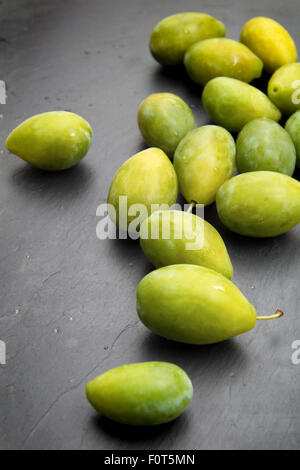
(270, 41)
(221, 57)
(263, 144)
(51, 141)
(147, 393)
(195, 305)
(284, 88)
(293, 128)
(203, 160)
(164, 119)
(259, 204)
(176, 237)
(149, 179)
(173, 35)
(232, 103)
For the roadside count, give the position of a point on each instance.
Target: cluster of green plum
(190, 297)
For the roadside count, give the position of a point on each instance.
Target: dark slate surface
(68, 299)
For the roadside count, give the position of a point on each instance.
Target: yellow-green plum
(292, 126)
(173, 35)
(270, 41)
(51, 141)
(195, 305)
(164, 119)
(263, 144)
(232, 103)
(284, 88)
(221, 57)
(146, 393)
(259, 204)
(176, 237)
(149, 179)
(203, 160)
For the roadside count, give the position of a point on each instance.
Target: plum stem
(193, 204)
(279, 313)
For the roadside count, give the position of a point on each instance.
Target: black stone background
(91, 57)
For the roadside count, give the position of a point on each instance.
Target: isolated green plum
(173, 35)
(270, 41)
(164, 119)
(292, 126)
(203, 160)
(259, 204)
(195, 305)
(147, 178)
(147, 393)
(232, 103)
(51, 141)
(221, 57)
(176, 237)
(263, 144)
(284, 88)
